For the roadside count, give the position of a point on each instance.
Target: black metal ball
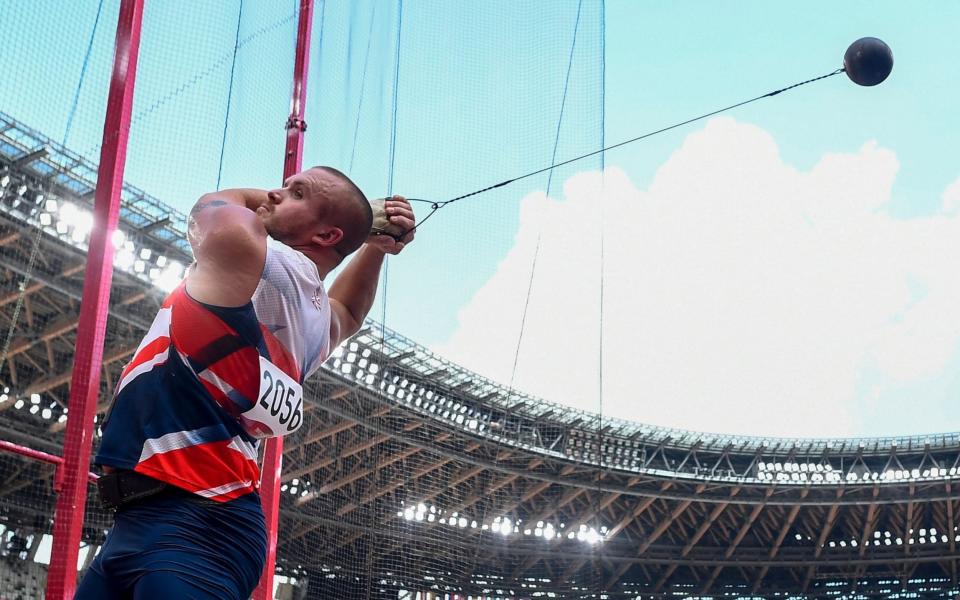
(868, 61)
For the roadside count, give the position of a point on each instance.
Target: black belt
(120, 488)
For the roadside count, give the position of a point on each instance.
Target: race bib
(279, 407)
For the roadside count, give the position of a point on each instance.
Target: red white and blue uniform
(207, 382)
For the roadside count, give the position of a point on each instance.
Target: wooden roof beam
(908, 523)
(665, 577)
(347, 479)
(571, 570)
(953, 535)
(787, 524)
(39, 285)
(656, 533)
(827, 527)
(482, 493)
(525, 566)
(48, 383)
(531, 492)
(746, 527)
(323, 462)
(390, 487)
(636, 512)
(568, 496)
(791, 517)
(868, 527)
(708, 585)
(702, 530)
(348, 451)
(335, 429)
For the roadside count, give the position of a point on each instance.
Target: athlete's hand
(401, 216)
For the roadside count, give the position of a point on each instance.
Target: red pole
(293, 159)
(88, 358)
(42, 457)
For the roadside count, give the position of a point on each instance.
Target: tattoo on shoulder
(205, 204)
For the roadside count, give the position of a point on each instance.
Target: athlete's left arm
(353, 292)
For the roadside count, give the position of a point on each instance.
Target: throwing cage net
(380, 494)
(424, 469)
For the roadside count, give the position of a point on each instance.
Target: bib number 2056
(279, 405)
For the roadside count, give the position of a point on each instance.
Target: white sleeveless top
(292, 303)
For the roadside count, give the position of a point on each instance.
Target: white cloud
(740, 295)
(951, 198)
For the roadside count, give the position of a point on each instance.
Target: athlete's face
(298, 212)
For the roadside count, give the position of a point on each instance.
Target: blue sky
(479, 100)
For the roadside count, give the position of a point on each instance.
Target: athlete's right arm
(229, 245)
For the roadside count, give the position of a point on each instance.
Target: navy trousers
(180, 546)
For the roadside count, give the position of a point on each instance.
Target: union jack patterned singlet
(207, 382)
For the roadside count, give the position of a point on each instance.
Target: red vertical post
(88, 358)
(293, 159)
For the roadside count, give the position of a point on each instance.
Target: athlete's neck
(325, 258)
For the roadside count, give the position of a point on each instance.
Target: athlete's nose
(274, 196)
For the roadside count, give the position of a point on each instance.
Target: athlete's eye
(298, 193)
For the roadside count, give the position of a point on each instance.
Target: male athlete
(221, 367)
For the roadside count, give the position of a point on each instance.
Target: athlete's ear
(327, 237)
